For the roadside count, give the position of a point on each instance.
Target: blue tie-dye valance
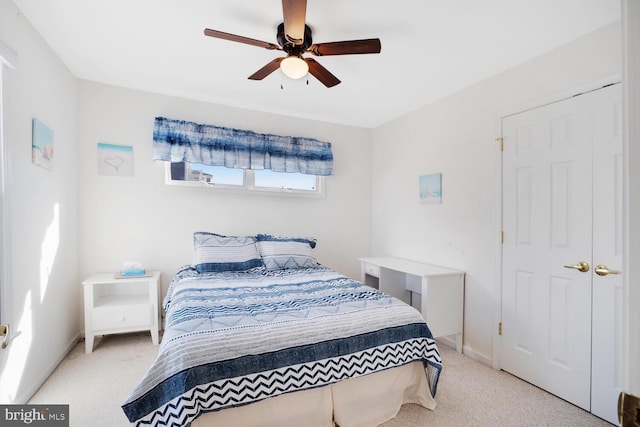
(182, 141)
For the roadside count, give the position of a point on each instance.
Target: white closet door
(547, 201)
(562, 206)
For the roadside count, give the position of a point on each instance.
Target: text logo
(34, 415)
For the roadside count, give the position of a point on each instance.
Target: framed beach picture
(41, 145)
(431, 188)
(115, 160)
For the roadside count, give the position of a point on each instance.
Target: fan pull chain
(282, 84)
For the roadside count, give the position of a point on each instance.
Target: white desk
(440, 290)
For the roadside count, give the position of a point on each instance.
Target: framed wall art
(430, 188)
(41, 145)
(115, 160)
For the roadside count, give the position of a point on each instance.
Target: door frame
(4, 306)
(630, 12)
(499, 196)
(8, 60)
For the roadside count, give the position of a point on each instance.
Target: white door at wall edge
(606, 332)
(562, 212)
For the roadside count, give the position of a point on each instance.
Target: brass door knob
(580, 266)
(4, 332)
(602, 270)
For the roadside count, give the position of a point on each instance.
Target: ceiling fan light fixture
(294, 67)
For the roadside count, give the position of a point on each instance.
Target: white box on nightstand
(117, 305)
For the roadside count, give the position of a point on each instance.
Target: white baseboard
(31, 391)
(450, 341)
(482, 358)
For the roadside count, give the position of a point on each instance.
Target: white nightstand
(113, 306)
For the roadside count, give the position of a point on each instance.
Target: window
(204, 174)
(237, 159)
(223, 178)
(286, 181)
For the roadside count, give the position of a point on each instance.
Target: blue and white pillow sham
(280, 253)
(214, 252)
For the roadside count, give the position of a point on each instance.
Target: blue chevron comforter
(235, 338)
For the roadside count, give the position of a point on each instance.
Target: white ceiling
(430, 48)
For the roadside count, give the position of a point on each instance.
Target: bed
(257, 333)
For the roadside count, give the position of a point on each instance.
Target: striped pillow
(280, 253)
(214, 252)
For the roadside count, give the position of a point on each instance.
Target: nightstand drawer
(104, 318)
(372, 270)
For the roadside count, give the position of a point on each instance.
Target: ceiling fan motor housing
(291, 48)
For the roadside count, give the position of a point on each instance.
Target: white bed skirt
(366, 401)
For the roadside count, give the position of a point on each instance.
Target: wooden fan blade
(234, 38)
(294, 13)
(321, 73)
(350, 47)
(266, 70)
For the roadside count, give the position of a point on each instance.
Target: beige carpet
(469, 393)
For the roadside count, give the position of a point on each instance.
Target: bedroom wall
(456, 136)
(140, 218)
(41, 212)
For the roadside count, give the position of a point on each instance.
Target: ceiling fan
(294, 38)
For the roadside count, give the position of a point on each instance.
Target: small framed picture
(41, 145)
(115, 160)
(431, 188)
